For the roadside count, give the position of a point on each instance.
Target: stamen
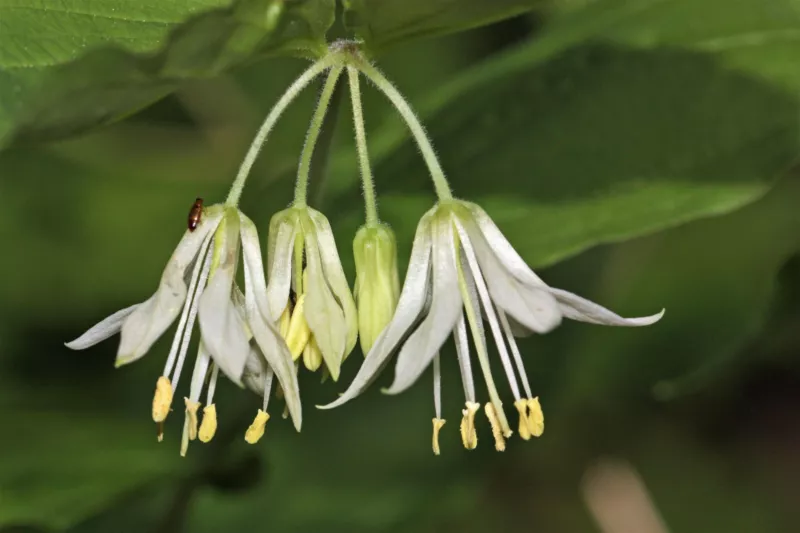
(437, 426)
(299, 333)
(497, 430)
(191, 416)
(464, 363)
(522, 407)
(312, 356)
(535, 417)
(469, 437)
(187, 304)
(212, 383)
(209, 425)
(474, 318)
(515, 352)
(162, 400)
(256, 429)
(486, 300)
(187, 333)
(437, 386)
(185, 437)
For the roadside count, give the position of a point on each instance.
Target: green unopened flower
(308, 293)
(377, 284)
(207, 256)
(463, 272)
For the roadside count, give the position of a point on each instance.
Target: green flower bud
(377, 283)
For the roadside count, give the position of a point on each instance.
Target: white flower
(208, 257)
(320, 322)
(463, 272)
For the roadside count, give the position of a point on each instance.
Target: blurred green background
(641, 153)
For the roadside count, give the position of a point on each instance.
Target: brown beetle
(195, 213)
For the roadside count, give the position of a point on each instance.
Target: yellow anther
(256, 429)
(191, 417)
(497, 430)
(312, 357)
(208, 427)
(468, 434)
(162, 399)
(298, 334)
(283, 322)
(522, 407)
(535, 417)
(437, 425)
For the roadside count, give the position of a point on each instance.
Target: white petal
(271, 344)
(280, 280)
(323, 314)
(576, 308)
(531, 305)
(222, 328)
(149, 321)
(418, 351)
(102, 330)
(409, 306)
(505, 253)
(334, 273)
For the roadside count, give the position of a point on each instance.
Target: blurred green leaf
(383, 23)
(67, 66)
(629, 132)
(716, 278)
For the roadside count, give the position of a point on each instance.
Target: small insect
(195, 213)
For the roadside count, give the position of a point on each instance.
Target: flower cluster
(463, 275)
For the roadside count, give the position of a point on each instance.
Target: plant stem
(277, 110)
(385, 86)
(301, 187)
(370, 203)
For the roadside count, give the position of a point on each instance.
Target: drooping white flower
(207, 256)
(308, 289)
(463, 272)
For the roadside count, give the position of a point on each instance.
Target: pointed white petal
(334, 273)
(418, 351)
(223, 330)
(102, 330)
(531, 305)
(270, 343)
(505, 253)
(280, 280)
(576, 308)
(322, 312)
(409, 306)
(149, 321)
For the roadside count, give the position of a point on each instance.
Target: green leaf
(600, 130)
(382, 23)
(68, 66)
